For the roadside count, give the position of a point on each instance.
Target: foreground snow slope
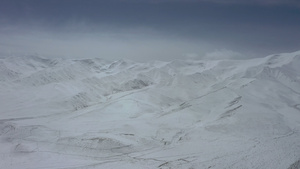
(183, 114)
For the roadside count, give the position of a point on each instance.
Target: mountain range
(189, 114)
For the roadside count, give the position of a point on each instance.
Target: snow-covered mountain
(91, 113)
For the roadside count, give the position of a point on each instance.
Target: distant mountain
(91, 113)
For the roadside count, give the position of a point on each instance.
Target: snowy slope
(90, 113)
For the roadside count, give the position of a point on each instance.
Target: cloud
(162, 30)
(256, 2)
(138, 45)
(224, 54)
(253, 2)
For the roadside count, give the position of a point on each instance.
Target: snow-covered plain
(90, 113)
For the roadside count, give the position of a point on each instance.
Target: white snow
(90, 113)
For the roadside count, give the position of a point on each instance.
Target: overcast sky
(144, 30)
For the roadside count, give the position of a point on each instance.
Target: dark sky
(144, 30)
